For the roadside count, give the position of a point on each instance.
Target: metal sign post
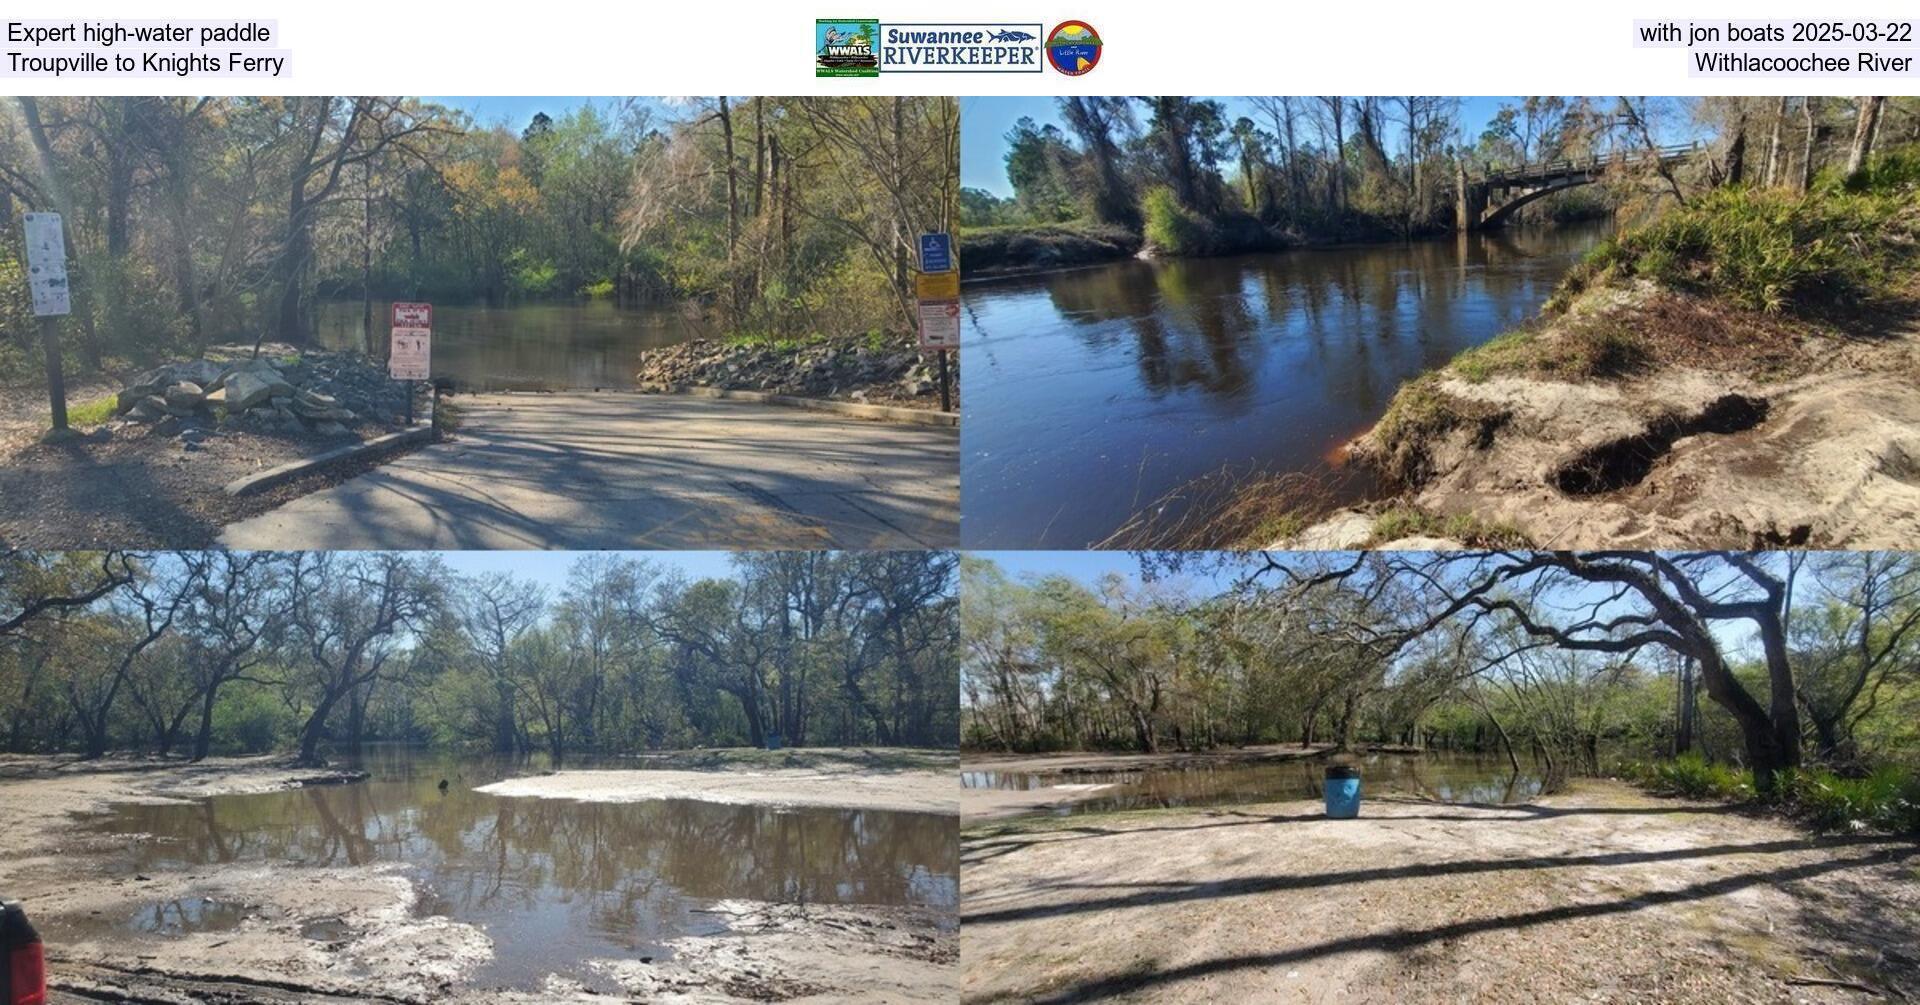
(937, 288)
(52, 298)
(410, 348)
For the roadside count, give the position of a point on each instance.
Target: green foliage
(1768, 250)
(1692, 776)
(92, 413)
(1174, 229)
(1886, 799)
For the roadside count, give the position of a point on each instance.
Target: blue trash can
(1343, 792)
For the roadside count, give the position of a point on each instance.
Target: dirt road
(1605, 894)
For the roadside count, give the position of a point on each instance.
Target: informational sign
(47, 265)
(939, 324)
(410, 353)
(410, 356)
(408, 315)
(936, 286)
(936, 252)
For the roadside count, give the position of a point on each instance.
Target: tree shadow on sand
(1874, 915)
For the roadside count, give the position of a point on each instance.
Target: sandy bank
(1741, 431)
(1603, 894)
(916, 791)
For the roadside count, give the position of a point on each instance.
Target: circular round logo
(1073, 47)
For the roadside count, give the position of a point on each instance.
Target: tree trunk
(1808, 112)
(1773, 142)
(1865, 125)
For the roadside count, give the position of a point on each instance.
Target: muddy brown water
(1453, 778)
(542, 346)
(1093, 393)
(552, 882)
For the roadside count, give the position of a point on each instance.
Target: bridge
(1486, 201)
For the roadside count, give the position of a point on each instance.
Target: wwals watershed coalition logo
(859, 47)
(846, 47)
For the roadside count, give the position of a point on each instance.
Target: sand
(909, 791)
(1601, 894)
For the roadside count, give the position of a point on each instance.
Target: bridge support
(1470, 201)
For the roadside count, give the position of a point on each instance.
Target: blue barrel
(1343, 792)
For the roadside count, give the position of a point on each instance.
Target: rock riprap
(893, 371)
(316, 392)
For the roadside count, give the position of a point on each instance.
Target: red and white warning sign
(939, 324)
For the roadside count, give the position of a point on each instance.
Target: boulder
(247, 388)
(148, 409)
(185, 394)
(330, 429)
(169, 425)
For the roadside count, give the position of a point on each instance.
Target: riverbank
(890, 371)
(367, 932)
(1675, 393)
(984, 803)
(1016, 250)
(1603, 892)
(907, 781)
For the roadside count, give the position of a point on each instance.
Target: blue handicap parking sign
(936, 252)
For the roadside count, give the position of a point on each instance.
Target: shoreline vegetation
(1741, 370)
(1179, 177)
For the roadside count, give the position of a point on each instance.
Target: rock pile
(895, 372)
(322, 393)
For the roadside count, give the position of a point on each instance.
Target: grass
(91, 413)
(1419, 414)
(1467, 528)
(1578, 349)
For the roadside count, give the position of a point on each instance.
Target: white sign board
(939, 324)
(47, 265)
(410, 355)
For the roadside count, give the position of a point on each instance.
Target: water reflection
(1093, 392)
(588, 344)
(550, 881)
(1451, 778)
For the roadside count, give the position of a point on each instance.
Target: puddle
(1448, 778)
(552, 883)
(194, 914)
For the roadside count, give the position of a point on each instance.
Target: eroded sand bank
(1603, 894)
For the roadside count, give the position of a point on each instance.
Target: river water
(543, 346)
(1092, 393)
(1451, 778)
(552, 882)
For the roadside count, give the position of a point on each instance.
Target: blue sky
(984, 121)
(516, 112)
